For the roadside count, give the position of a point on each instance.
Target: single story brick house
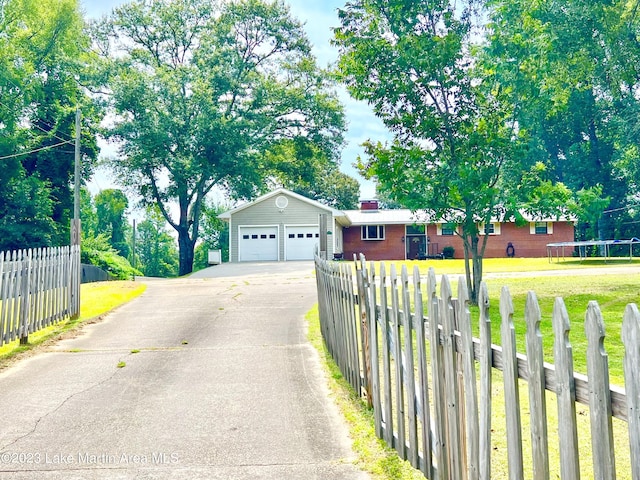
(283, 225)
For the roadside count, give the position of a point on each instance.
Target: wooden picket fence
(429, 382)
(38, 287)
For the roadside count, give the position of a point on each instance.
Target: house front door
(415, 242)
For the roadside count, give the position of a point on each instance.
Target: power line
(35, 150)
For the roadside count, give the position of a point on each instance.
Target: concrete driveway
(199, 378)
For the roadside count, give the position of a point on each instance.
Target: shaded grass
(95, 299)
(373, 455)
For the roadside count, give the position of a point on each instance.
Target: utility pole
(75, 226)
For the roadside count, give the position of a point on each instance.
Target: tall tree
(44, 54)
(572, 67)
(455, 138)
(201, 92)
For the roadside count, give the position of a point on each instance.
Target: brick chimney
(369, 205)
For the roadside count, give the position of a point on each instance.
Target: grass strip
(96, 299)
(373, 455)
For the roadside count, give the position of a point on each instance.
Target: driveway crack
(3, 448)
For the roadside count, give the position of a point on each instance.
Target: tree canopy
(454, 136)
(202, 93)
(498, 107)
(42, 70)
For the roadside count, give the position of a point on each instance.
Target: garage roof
(339, 215)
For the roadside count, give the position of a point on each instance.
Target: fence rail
(430, 382)
(38, 287)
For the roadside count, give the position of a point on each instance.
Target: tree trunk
(186, 247)
(473, 273)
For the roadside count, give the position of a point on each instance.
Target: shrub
(97, 251)
(448, 251)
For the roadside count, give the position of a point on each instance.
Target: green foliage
(44, 54)
(99, 252)
(111, 206)
(455, 137)
(215, 235)
(156, 253)
(305, 168)
(571, 69)
(25, 213)
(202, 93)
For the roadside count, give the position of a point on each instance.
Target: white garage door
(258, 244)
(300, 242)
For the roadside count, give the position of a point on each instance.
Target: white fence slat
(15, 295)
(537, 394)
(565, 391)
(452, 413)
(440, 445)
(604, 464)
(398, 354)
(373, 383)
(409, 376)
(631, 340)
(386, 356)
(470, 387)
(486, 362)
(423, 376)
(3, 300)
(511, 391)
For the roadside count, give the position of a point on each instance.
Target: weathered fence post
(537, 393)
(470, 391)
(25, 293)
(397, 354)
(566, 393)
(604, 463)
(486, 364)
(409, 373)
(631, 340)
(511, 391)
(452, 412)
(441, 446)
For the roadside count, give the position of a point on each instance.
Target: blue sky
(319, 16)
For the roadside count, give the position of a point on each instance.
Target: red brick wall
(393, 248)
(524, 243)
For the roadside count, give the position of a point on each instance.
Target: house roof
(337, 214)
(406, 217)
(371, 217)
(386, 217)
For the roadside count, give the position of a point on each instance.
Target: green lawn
(612, 292)
(95, 300)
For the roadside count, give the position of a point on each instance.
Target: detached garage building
(282, 226)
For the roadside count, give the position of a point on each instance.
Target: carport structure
(582, 247)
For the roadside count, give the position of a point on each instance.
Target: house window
(448, 229)
(491, 229)
(541, 228)
(373, 232)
